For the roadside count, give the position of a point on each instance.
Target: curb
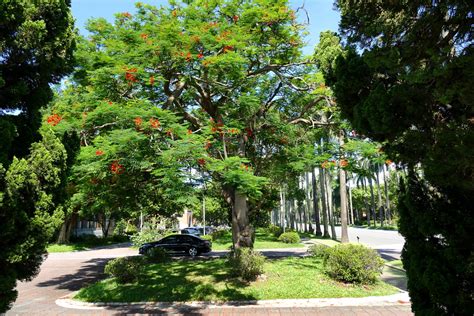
(394, 267)
(401, 298)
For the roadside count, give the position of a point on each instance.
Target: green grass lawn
(396, 263)
(385, 227)
(262, 241)
(209, 280)
(81, 245)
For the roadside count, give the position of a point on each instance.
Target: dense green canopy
(407, 78)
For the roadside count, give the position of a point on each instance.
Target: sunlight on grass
(209, 280)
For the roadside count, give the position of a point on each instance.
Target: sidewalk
(397, 304)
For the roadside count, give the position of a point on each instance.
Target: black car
(190, 244)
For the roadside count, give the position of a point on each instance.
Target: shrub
(125, 269)
(157, 255)
(119, 238)
(353, 263)
(246, 263)
(289, 238)
(218, 234)
(318, 250)
(275, 230)
(206, 237)
(145, 236)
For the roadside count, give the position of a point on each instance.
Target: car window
(186, 239)
(169, 240)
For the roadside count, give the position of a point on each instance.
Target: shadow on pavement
(395, 277)
(389, 254)
(91, 271)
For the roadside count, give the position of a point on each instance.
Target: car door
(169, 243)
(185, 242)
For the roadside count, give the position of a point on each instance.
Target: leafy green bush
(157, 255)
(119, 238)
(289, 238)
(206, 237)
(218, 234)
(318, 251)
(125, 269)
(246, 263)
(146, 236)
(353, 263)
(275, 230)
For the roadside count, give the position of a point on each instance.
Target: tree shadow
(395, 277)
(91, 271)
(389, 254)
(177, 281)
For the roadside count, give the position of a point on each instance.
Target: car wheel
(193, 251)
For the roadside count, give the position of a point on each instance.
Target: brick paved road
(64, 273)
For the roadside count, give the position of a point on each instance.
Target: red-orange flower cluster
(116, 167)
(228, 48)
(144, 36)
(327, 164)
(236, 18)
(388, 162)
(130, 75)
(54, 119)
(152, 80)
(99, 152)
(126, 15)
(155, 123)
(138, 121)
(201, 161)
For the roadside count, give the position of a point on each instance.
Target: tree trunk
(372, 200)
(241, 229)
(387, 198)
(342, 192)
(351, 209)
(330, 205)
(322, 180)
(317, 218)
(379, 196)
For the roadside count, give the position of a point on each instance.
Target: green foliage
(424, 110)
(353, 263)
(207, 237)
(125, 269)
(31, 211)
(318, 251)
(290, 237)
(246, 263)
(37, 43)
(275, 230)
(147, 235)
(157, 255)
(219, 234)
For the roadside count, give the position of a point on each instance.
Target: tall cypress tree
(407, 78)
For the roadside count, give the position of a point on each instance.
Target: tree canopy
(406, 77)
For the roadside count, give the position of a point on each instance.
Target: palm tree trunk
(322, 179)
(387, 198)
(330, 205)
(317, 218)
(342, 191)
(379, 196)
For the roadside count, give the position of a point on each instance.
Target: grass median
(210, 280)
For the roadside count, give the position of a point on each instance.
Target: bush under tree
(246, 263)
(125, 269)
(353, 263)
(290, 238)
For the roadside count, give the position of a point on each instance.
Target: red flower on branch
(200, 56)
(388, 162)
(130, 75)
(249, 132)
(201, 162)
(169, 132)
(138, 121)
(189, 57)
(190, 132)
(116, 167)
(126, 15)
(54, 119)
(208, 145)
(155, 123)
(152, 80)
(235, 18)
(228, 48)
(144, 36)
(99, 152)
(343, 163)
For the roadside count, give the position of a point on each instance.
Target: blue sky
(321, 14)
